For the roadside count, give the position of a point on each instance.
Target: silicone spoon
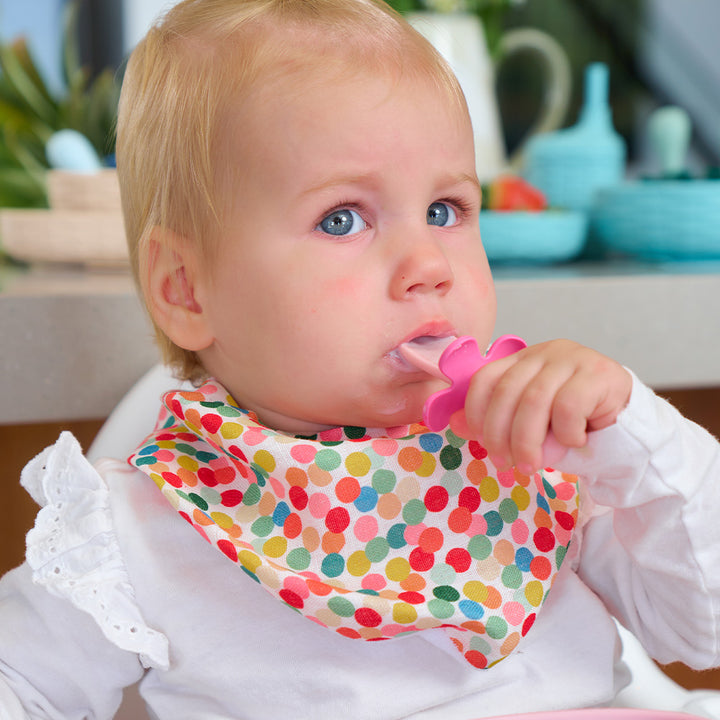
(459, 361)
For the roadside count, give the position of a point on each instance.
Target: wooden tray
(83, 191)
(94, 238)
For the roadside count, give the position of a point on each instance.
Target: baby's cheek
(479, 289)
(333, 290)
(325, 297)
(347, 287)
(338, 310)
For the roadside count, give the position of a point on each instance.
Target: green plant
(30, 114)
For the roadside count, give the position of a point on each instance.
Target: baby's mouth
(423, 353)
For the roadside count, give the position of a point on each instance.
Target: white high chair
(133, 419)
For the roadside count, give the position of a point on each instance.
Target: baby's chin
(391, 418)
(381, 410)
(393, 415)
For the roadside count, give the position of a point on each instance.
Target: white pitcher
(460, 39)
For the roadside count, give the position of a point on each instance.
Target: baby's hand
(557, 386)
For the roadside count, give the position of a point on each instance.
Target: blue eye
(342, 222)
(441, 214)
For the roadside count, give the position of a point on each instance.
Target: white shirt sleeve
(55, 662)
(10, 707)
(651, 548)
(71, 634)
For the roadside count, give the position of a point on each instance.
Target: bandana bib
(371, 533)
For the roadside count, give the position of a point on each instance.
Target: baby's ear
(170, 273)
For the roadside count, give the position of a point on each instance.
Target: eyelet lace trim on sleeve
(73, 550)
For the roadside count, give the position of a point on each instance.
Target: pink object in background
(601, 714)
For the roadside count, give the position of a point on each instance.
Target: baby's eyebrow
(361, 179)
(369, 180)
(465, 179)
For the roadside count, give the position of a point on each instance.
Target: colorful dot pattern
(371, 533)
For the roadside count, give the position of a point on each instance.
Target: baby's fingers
(551, 418)
(573, 404)
(557, 389)
(591, 399)
(492, 403)
(567, 398)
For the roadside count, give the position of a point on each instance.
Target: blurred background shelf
(74, 340)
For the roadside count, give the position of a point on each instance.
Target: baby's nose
(422, 268)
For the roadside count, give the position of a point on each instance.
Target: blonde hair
(183, 76)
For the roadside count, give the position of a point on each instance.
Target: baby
(300, 198)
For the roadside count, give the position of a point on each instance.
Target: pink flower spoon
(459, 359)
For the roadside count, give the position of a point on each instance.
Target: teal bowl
(661, 220)
(550, 236)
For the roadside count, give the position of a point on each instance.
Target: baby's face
(353, 228)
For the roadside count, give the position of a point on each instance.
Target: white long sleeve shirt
(119, 588)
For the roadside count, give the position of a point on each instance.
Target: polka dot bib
(371, 533)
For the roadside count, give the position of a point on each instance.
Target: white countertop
(73, 341)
